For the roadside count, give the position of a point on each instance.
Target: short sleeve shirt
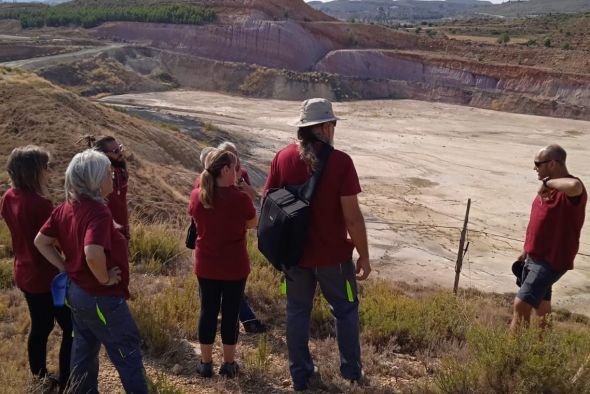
(87, 222)
(327, 243)
(24, 213)
(220, 251)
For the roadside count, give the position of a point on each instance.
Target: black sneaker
(314, 381)
(360, 382)
(205, 369)
(254, 326)
(229, 370)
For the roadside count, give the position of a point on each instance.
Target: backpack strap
(308, 188)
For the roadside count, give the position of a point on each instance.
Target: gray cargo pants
(338, 285)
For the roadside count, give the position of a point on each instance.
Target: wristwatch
(545, 180)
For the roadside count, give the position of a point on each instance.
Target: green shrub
(154, 248)
(6, 276)
(504, 38)
(161, 385)
(566, 46)
(87, 17)
(547, 43)
(416, 323)
(5, 241)
(258, 360)
(528, 362)
(171, 314)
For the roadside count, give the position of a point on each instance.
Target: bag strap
(308, 188)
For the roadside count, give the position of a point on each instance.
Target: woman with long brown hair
(222, 213)
(25, 207)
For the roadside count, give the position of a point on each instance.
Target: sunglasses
(116, 150)
(539, 163)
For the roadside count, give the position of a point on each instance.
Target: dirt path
(44, 61)
(419, 163)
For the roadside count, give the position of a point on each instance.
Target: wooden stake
(461, 251)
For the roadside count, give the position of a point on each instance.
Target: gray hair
(228, 146)
(84, 175)
(204, 153)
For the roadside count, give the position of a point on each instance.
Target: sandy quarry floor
(419, 162)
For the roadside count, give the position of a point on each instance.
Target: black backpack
(284, 218)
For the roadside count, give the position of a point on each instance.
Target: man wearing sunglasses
(552, 236)
(117, 200)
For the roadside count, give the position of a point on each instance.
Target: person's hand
(249, 190)
(363, 268)
(522, 256)
(114, 276)
(543, 190)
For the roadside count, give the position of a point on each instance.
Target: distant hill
(413, 10)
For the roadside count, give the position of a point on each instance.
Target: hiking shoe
(314, 381)
(254, 326)
(360, 382)
(229, 370)
(205, 369)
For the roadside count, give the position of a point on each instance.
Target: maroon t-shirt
(243, 174)
(327, 239)
(117, 200)
(220, 251)
(553, 233)
(87, 222)
(24, 213)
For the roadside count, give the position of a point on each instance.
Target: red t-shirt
(327, 242)
(553, 233)
(243, 174)
(117, 200)
(87, 222)
(24, 213)
(220, 251)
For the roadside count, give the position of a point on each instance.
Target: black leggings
(215, 294)
(43, 314)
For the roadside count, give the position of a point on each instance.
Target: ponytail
(215, 161)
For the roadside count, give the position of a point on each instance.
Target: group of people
(86, 237)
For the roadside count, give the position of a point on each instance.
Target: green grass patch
(161, 385)
(415, 322)
(494, 361)
(166, 312)
(155, 248)
(6, 276)
(258, 360)
(5, 241)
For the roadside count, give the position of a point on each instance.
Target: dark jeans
(43, 316)
(216, 294)
(246, 313)
(537, 280)
(343, 301)
(108, 321)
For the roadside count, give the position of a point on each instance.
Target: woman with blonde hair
(25, 208)
(95, 259)
(222, 213)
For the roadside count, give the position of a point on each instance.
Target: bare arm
(572, 187)
(355, 224)
(97, 262)
(46, 246)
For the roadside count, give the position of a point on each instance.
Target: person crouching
(222, 213)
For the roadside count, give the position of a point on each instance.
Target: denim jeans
(246, 312)
(108, 321)
(338, 285)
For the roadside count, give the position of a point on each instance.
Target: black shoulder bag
(191, 235)
(284, 218)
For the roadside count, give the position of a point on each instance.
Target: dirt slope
(163, 162)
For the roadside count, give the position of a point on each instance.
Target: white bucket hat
(315, 111)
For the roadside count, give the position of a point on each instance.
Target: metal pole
(460, 252)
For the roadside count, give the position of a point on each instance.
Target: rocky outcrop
(280, 44)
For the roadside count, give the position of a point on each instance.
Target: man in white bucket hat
(327, 257)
